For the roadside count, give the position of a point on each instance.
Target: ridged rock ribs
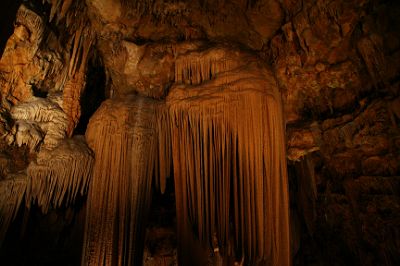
(226, 136)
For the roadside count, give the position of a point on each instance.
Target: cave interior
(199, 132)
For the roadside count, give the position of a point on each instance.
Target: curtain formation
(56, 178)
(225, 142)
(59, 176)
(122, 133)
(230, 168)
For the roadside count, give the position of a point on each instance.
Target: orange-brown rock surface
(334, 64)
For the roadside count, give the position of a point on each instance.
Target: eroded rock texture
(209, 90)
(337, 66)
(36, 65)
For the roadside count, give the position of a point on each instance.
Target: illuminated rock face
(220, 96)
(123, 137)
(223, 134)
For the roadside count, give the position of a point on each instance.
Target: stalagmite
(58, 176)
(12, 191)
(122, 134)
(229, 164)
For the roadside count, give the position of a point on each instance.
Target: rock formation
(122, 134)
(225, 132)
(274, 124)
(229, 157)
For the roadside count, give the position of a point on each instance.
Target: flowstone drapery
(56, 178)
(229, 164)
(122, 133)
(222, 128)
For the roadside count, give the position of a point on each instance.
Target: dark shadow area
(160, 240)
(37, 239)
(7, 17)
(94, 93)
(38, 92)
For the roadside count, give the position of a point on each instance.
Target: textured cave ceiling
(237, 100)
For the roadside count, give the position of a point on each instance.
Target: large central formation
(222, 122)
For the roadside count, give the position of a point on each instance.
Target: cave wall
(336, 64)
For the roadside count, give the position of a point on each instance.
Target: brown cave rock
(199, 132)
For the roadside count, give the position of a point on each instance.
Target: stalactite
(82, 44)
(26, 133)
(163, 161)
(76, 80)
(198, 67)
(64, 8)
(54, 8)
(230, 167)
(76, 48)
(58, 176)
(12, 191)
(122, 134)
(72, 100)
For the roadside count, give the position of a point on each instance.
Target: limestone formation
(271, 127)
(122, 134)
(229, 158)
(12, 192)
(59, 176)
(38, 121)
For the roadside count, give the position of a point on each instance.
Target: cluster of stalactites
(59, 176)
(230, 170)
(12, 191)
(122, 134)
(80, 39)
(198, 67)
(228, 156)
(56, 178)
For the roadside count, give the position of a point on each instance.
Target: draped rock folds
(122, 133)
(229, 161)
(221, 128)
(60, 175)
(56, 178)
